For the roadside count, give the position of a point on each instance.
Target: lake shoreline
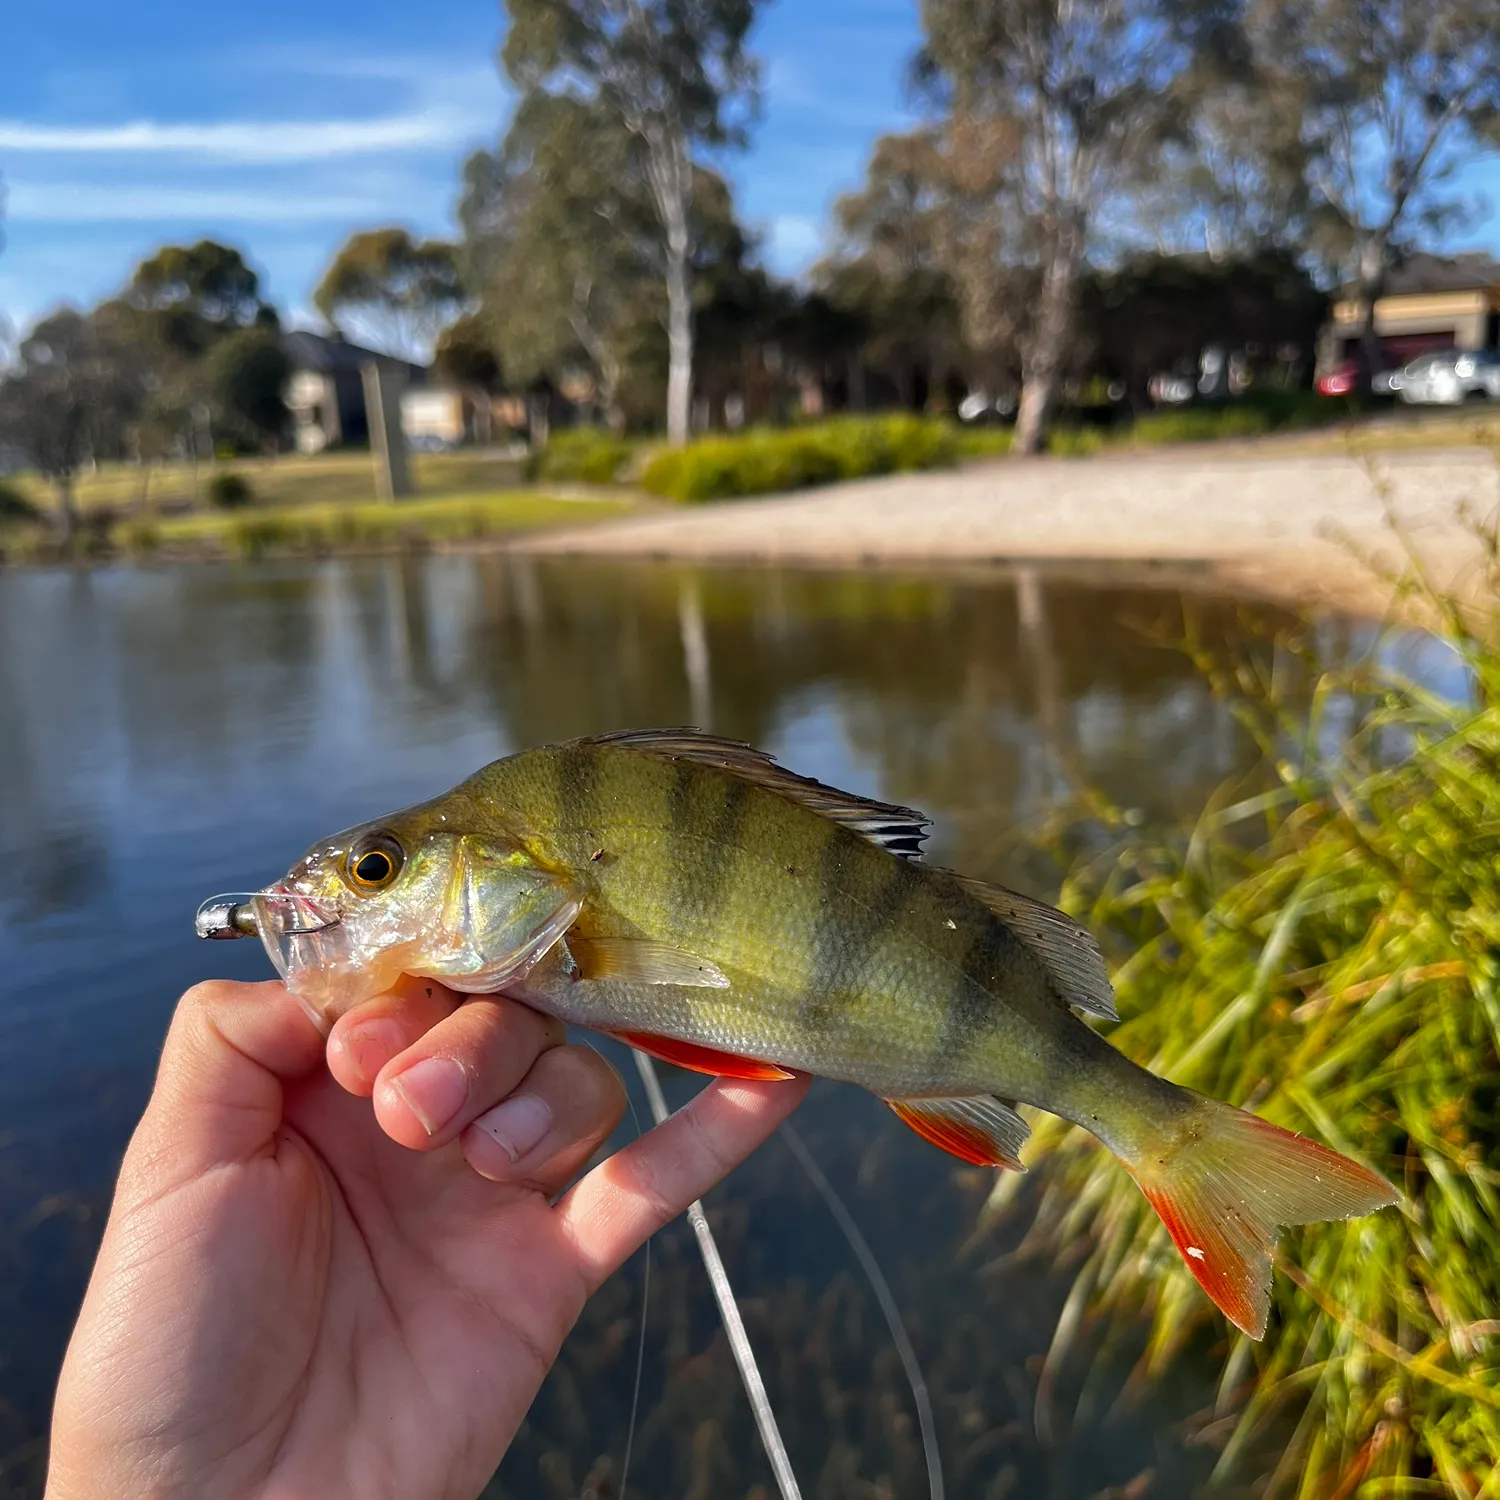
(1326, 531)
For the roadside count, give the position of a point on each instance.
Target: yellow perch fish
(689, 895)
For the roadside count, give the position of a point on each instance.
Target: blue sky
(280, 127)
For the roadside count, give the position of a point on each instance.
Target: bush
(1251, 415)
(584, 455)
(230, 491)
(15, 508)
(766, 461)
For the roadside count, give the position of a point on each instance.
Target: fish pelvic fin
(982, 1130)
(1070, 955)
(1228, 1182)
(636, 961)
(698, 1059)
(899, 830)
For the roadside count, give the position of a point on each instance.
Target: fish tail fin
(1227, 1180)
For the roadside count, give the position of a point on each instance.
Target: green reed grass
(1323, 947)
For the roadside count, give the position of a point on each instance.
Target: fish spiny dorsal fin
(1068, 953)
(897, 829)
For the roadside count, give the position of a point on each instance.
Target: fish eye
(374, 861)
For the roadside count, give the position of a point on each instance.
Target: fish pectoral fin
(637, 961)
(1070, 955)
(698, 1059)
(982, 1130)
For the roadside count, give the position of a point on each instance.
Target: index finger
(625, 1200)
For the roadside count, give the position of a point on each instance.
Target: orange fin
(1228, 1183)
(982, 1130)
(701, 1059)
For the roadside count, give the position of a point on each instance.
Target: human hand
(301, 1295)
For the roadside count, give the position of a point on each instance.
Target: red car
(1341, 380)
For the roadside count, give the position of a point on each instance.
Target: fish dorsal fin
(636, 961)
(897, 829)
(982, 1130)
(1068, 953)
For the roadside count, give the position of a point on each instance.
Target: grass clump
(582, 455)
(1323, 946)
(764, 461)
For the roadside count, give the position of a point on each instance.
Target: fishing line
(882, 1289)
(729, 1311)
(640, 1343)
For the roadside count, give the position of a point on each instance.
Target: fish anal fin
(637, 961)
(698, 1059)
(900, 830)
(981, 1130)
(1070, 955)
(1224, 1188)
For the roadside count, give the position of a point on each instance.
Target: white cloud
(100, 203)
(250, 141)
(792, 240)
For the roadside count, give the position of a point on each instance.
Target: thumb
(229, 1052)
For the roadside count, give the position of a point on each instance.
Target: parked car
(1341, 380)
(1450, 378)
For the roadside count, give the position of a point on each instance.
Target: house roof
(1420, 272)
(313, 351)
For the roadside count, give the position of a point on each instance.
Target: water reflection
(167, 733)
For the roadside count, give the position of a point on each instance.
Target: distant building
(325, 393)
(1430, 302)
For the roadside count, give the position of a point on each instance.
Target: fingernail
(434, 1090)
(371, 1045)
(517, 1125)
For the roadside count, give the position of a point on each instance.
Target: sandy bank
(1282, 527)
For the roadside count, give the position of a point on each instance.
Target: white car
(1449, 378)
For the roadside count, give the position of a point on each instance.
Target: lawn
(291, 479)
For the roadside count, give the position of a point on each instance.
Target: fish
(689, 895)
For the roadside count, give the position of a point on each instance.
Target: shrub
(584, 455)
(229, 491)
(765, 461)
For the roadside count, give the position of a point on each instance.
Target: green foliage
(766, 461)
(1322, 944)
(982, 442)
(229, 491)
(245, 373)
(391, 291)
(585, 455)
(1250, 416)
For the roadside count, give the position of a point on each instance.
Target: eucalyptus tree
(1081, 99)
(674, 76)
(1391, 97)
(392, 292)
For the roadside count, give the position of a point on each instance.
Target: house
(325, 392)
(1429, 302)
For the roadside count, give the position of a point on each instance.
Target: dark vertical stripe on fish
(578, 787)
(843, 965)
(710, 881)
(971, 1007)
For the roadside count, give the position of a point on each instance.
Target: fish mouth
(309, 945)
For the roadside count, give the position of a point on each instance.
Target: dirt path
(1282, 527)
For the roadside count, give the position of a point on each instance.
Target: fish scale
(691, 896)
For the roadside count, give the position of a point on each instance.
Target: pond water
(169, 733)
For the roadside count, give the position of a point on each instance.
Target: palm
(290, 1303)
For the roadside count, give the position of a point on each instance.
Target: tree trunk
(1371, 283)
(1042, 370)
(679, 338)
(67, 511)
